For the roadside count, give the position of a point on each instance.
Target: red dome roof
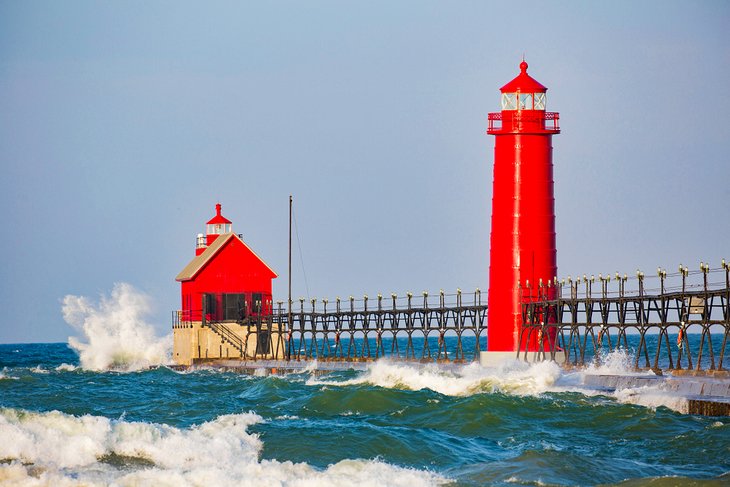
(218, 218)
(523, 83)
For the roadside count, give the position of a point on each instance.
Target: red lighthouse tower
(523, 209)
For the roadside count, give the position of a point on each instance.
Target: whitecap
(54, 448)
(66, 368)
(515, 377)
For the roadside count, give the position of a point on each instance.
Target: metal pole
(288, 319)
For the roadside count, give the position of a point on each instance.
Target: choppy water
(97, 414)
(391, 425)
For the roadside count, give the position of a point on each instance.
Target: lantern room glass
(219, 229)
(539, 101)
(509, 101)
(523, 101)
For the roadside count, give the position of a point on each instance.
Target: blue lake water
(393, 424)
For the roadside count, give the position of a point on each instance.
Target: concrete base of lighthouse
(497, 359)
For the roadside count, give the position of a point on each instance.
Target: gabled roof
(198, 263)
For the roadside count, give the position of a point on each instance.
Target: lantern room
(523, 102)
(218, 225)
(523, 93)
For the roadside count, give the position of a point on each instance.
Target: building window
(210, 306)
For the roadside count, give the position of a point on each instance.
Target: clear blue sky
(123, 123)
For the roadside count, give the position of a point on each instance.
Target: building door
(234, 304)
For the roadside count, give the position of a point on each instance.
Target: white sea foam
(66, 368)
(115, 333)
(621, 363)
(652, 397)
(58, 449)
(616, 362)
(514, 377)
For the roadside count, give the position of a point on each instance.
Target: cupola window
(219, 228)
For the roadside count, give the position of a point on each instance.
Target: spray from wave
(116, 336)
(54, 448)
(616, 362)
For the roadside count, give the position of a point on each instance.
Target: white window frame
(509, 101)
(525, 101)
(540, 100)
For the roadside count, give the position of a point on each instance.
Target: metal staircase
(227, 335)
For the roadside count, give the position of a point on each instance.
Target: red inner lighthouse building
(235, 282)
(522, 243)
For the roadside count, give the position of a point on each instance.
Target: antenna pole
(288, 321)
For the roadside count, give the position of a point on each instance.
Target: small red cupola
(218, 225)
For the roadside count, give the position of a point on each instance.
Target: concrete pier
(707, 394)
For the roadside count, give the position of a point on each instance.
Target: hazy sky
(122, 124)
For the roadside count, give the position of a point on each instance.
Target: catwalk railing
(441, 327)
(667, 321)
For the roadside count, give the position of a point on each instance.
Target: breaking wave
(54, 448)
(514, 378)
(115, 334)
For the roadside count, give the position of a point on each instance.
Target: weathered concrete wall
(706, 394)
(192, 341)
(687, 386)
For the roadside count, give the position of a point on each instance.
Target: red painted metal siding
(234, 269)
(522, 241)
(523, 231)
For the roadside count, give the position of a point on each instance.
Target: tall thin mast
(288, 321)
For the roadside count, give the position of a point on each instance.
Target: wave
(4, 376)
(54, 448)
(64, 367)
(115, 335)
(514, 378)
